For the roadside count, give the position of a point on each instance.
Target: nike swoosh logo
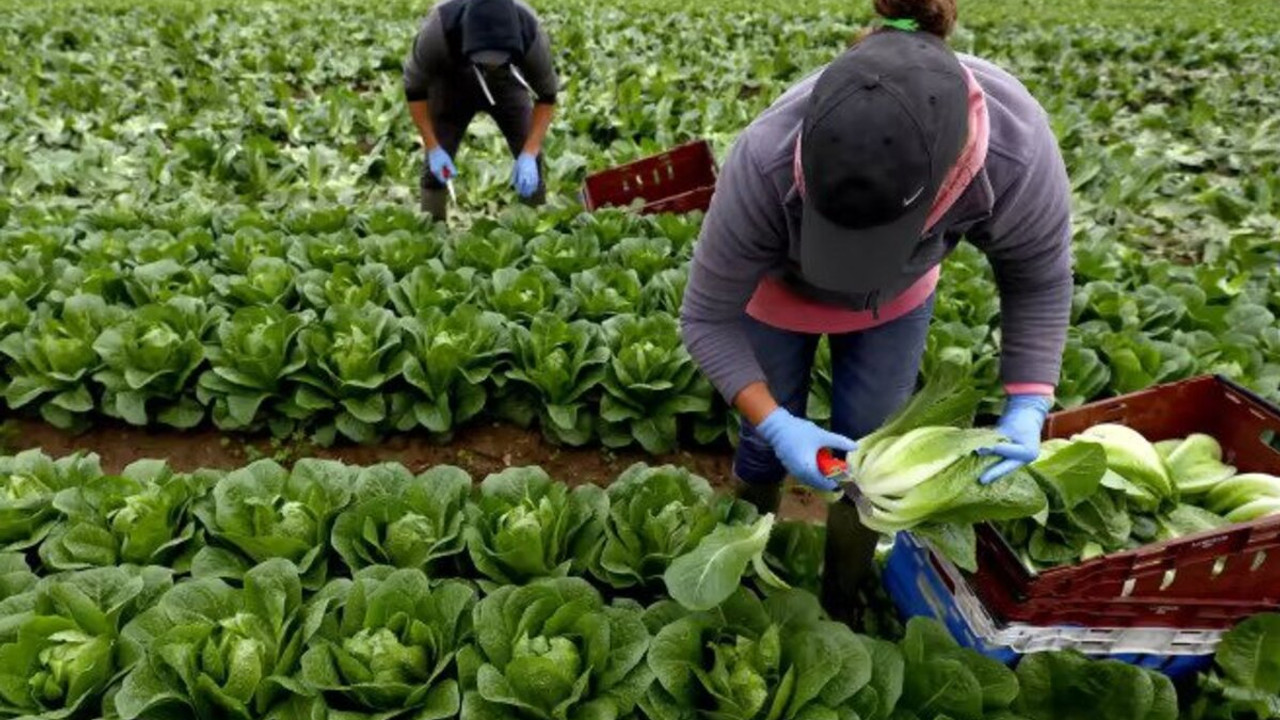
(912, 199)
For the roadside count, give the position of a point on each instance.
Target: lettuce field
(277, 446)
(209, 219)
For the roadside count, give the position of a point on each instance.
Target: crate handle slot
(1169, 576)
(1115, 412)
(1271, 439)
(1127, 590)
(1259, 558)
(1219, 565)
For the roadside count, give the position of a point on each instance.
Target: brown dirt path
(480, 449)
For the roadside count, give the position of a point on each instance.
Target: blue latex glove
(1022, 423)
(441, 165)
(796, 442)
(525, 175)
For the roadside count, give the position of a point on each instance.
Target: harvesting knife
(448, 182)
(833, 468)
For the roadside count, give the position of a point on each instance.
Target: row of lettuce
(127, 642)
(351, 324)
(356, 335)
(331, 591)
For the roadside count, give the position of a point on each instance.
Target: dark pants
(454, 103)
(873, 373)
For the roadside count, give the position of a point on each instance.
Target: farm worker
(832, 214)
(474, 56)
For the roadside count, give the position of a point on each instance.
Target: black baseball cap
(886, 122)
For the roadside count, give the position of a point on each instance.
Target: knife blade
(833, 468)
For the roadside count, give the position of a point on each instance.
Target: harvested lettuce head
(1245, 497)
(920, 470)
(1135, 459)
(1195, 463)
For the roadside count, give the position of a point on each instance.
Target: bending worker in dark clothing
(832, 215)
(475, 56)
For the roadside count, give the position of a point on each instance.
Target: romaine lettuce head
(256, 354)
(1134, 458)
(451, 356)
(486, 250)
(565, 253)
(522, 526)
(354, 349)
(749, 659)
(352, 358)
(930, 475)
(430, 285)
(210, 651)
(142, 516)
(401, 520)
(649, 381)
(52, 359)
(401, 250)
(655, 515)
(388, 644)
(941, 678)
(29, 481)
(1195, 464)
(1245, 497)
(558, 362)
(347, 284)
(1051, 681)
(319, 219)
(325, 252)
(151, 356)
(237, 250)
(266, 281)
(388, 218)
(553, 649)
(665, 291)
(604, 291)
(522, 294)
(264, 511)
(59, 655)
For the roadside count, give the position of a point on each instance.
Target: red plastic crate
(1209, 580)
(677, 181)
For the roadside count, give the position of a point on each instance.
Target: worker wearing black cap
(832, 215)
(474, 56)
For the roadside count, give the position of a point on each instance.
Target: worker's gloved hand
(525, 175)
(1022, 423)
(441, 165)
(796, 442)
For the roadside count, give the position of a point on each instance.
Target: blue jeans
(873, 373)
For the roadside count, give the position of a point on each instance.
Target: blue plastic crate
(919, 590)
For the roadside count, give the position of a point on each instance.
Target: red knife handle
(831, 466)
